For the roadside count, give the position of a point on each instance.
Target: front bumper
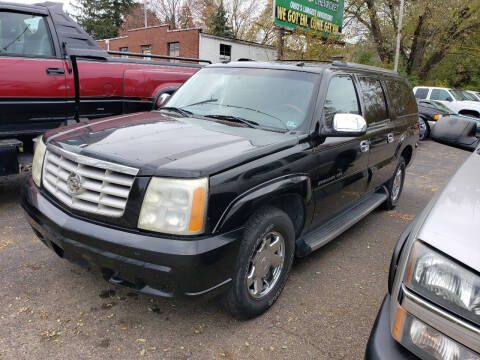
(142, 263)
(381, 345)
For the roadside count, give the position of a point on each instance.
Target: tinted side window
(441, 95)
(24, 34)
(421, 93)
(401, 97)
(374, 100)
(341, 98)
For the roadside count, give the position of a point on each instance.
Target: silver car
(432, 309)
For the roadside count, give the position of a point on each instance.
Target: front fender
(239, 210)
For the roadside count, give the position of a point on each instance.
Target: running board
(340, 223)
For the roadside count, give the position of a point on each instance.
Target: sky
(66, 3)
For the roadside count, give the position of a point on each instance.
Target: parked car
(454, 99)
(432, 309)
(52, 72)
(431, 111)
(246, 166)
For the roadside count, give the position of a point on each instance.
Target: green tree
(220, 24)
(432, 30)
(102, 19)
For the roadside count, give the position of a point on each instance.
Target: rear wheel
(263, 264)
(395, 185)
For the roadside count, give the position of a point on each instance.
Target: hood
(453, 224)
(161, 145)
(474, 105)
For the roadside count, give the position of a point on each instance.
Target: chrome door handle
(390, 138)
(364, 146)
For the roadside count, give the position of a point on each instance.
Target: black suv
(247, 166)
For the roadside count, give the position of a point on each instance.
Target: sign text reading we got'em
(318, 16)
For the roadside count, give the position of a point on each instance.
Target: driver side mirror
(162, 100)
(347, 125)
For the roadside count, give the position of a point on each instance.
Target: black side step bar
(322, 235)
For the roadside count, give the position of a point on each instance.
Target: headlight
(37, 164)
(174, 206)
(444, 282)
(426, 342)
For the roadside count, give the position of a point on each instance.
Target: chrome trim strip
(85, 160)
(459, 330)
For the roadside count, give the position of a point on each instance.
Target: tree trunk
(383, 52)
(418, 45)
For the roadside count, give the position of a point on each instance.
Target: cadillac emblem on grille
(74, 184)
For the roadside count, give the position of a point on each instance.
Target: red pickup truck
(52, 71)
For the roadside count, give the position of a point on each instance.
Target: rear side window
(401, 97)
(341, 98)
(24, 35)
(421, 93)
(374, 100)
(440, 95)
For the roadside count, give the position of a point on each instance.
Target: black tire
(424, 129)
(239, 300)
(394, 196)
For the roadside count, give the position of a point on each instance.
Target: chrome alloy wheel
(397, 184)
(423, 128)
(266, 265)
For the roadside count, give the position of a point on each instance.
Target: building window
(174, 50)
(124, 49)
(146, 50)
(225, 52)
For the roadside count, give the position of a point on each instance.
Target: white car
(454, 99)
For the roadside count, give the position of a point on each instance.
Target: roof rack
(153, 56)
(305, 60)
(362, 67)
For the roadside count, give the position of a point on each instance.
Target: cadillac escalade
(245, 167)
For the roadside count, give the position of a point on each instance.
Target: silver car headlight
(175, 206)
(426, 342)
(443, 282)
(37, 164)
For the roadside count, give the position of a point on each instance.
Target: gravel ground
(51, 309)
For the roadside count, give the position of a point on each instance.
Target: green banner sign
(317, 16)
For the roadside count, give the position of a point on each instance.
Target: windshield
(458, 95)
(271, 99)
(469, 96)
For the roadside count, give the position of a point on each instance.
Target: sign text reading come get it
(318, 16)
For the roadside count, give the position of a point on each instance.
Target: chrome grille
(87, 184)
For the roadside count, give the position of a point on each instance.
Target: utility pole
(145, 12)
(399, 35)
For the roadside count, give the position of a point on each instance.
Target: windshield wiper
(249, 123)
(260, 112)
(178, 110)
(202, 102)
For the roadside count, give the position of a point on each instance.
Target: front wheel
(424, 129)
(395, 185)
(263, 264)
